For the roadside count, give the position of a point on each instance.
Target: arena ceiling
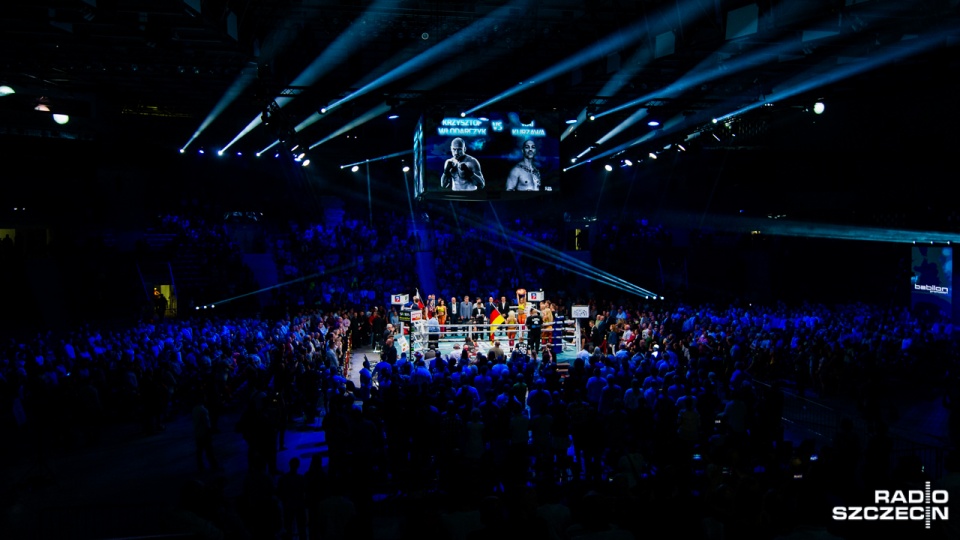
(153, 73)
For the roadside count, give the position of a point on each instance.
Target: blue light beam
(809, 81)
(617, 41)
(240, 84)
(438, 52)
(335, 53)
(375, 112)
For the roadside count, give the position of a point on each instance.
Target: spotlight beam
(334, 270)
(503, 234)
(381, 158)
(337, 52)
(379, 110)
(737, 224)
(708, 71)
(240, 84)
(613, 86)
(581, 118)
(810, 81)
(437, 53)
(668, 128)
(617, 41)
(545, 254)
(429, 83)
(637, 115)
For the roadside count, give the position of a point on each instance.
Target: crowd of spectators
(482, 261)
(207, 259)
(667, 421)
(352, 262)
(660, 412)
(349, 262)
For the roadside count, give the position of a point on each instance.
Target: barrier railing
(560, 333)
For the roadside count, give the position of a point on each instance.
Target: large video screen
(931, 284)
(499, 155)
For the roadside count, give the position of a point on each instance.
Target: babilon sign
(923, 505)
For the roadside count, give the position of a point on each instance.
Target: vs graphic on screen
(496, 155)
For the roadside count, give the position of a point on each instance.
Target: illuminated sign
(500, 155)
(932, 288)
(461, 127)
(528, 132)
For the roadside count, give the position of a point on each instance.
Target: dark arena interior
(564, 269)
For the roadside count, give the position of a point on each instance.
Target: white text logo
(910, 505)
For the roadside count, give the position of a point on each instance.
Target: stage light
(323, 110)
(682, 149)
(219, 152)
(653, 123)
(393, 117)
(200, 151)
(652, 155)
(276, 155)
(355, 168)
(406, 168)
(182, 150)
(628, 163)
(818, 107)
(306, 162)
(571, 121)
(608, 167)
(294, 149)
(258, 154)
(240, 154)
(42, 108)
(6, 90)
(61, 119)
(592, 117)
(301, 156)
(463, 115)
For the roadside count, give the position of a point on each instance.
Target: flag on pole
(496, 319)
